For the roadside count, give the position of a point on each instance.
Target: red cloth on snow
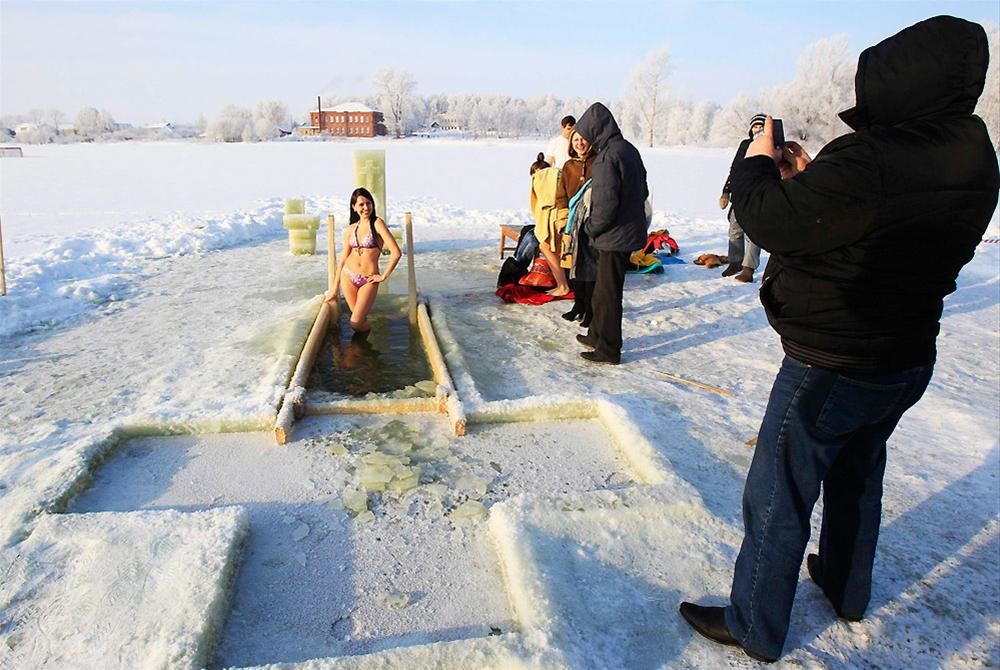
(527, 295)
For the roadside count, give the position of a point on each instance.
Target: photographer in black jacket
(857, 316)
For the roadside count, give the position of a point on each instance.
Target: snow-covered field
(151, 293)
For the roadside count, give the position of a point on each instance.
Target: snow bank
(503, 652)
(89, 270)
(601, 573)
(135, 590)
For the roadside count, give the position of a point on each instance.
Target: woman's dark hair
(539, 164)
(355, 217)
(573, 153)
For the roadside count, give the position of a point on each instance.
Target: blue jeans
(820, 427)
(742, 250)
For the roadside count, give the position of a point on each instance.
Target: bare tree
(395, 92)
(646, 92)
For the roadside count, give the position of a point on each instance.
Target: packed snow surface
(152, 293)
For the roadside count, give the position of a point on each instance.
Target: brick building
(348, 119)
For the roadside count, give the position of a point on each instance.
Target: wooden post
(293, 401)
(3, 269)
(410, 268)
(453, 406)
(331, 265)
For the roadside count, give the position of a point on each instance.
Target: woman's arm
(334, 293)
(394, 252)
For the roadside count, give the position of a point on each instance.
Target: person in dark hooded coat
(857, 313)
(617, 226)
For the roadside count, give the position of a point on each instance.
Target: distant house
(346, 119)
(447, 122)
(25, 128)
(160, 127)
(67, 129)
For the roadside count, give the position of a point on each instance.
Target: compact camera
(778, 130)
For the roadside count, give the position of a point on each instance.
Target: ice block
(369, 173)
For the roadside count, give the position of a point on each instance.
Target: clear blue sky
(147, 61)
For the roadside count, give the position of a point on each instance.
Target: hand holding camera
(768, 142)
(794, 160)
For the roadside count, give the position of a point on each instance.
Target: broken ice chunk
(473, 484)
(300, 532)
(407, 482)
(300, 558)
(337, 449)
(427, 386)
(365, 517)
(374, 476)
(378, 458)
(470, 509)
(356, 501)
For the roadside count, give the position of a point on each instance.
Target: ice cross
(369, 173)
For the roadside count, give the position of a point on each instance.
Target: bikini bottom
(356, 279)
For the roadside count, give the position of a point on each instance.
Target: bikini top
(368, 243)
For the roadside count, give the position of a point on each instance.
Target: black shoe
(732, 269)
(587, 341)
(572, 315)
(585, 321)
(816, 574)
(598, 357)
(710, 622)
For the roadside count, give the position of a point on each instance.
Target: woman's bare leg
(562, 286)
(349, 290)
(362, 307)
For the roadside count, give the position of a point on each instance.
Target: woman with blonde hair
(544, 181)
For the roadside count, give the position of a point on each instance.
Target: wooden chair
(508, 233)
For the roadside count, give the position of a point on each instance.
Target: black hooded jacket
(869, 239)
(618, 190)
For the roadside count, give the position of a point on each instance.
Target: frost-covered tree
(481, 120)
(729, 125)
(395, 92)
(92, 122)
(268, 117)
(988, 107)
(700, 122)
(822, 88)
(461, 107)
(646, 93)
(38, 133)
(230, 124)
(548, 111)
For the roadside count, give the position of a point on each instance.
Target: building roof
(348, 107)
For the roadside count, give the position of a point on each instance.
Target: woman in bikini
(358, 269)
